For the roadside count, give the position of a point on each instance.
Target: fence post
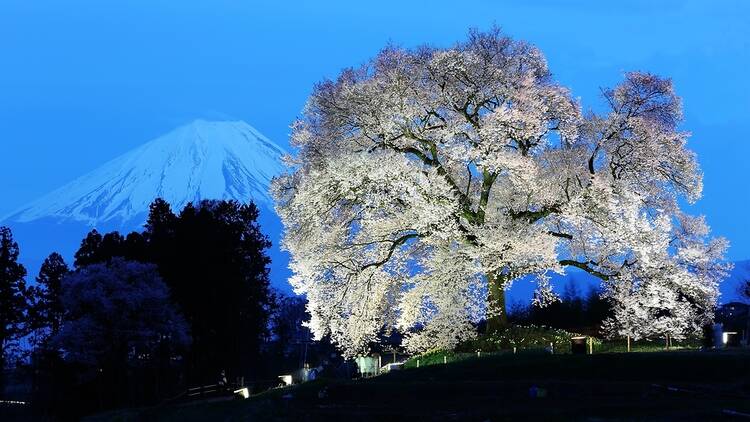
(445, 359)
(628, 344)
(417, 363)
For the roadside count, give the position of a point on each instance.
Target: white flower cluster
(428, 180)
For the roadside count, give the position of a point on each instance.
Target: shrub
(523, 338)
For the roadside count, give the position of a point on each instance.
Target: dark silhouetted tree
(213, 258)
(597, 308)
(118, 316)
(744, 291)
(46, 311)
(97, 248)
(45, 318)
(90, 250)
(161, 220)
(13, 302)
(572, 312)
(288, 329)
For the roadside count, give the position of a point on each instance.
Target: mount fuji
(200, 160)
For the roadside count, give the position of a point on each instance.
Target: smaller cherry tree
(648, 301)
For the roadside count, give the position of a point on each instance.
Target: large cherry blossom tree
(428, 180)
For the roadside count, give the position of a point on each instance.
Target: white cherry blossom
(427, 180)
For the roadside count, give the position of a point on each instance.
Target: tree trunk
(497, 316)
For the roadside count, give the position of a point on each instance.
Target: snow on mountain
(201, 160)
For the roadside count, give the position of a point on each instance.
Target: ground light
(728, 338)
(242, 392)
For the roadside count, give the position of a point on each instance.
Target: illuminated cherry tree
(651, 300)
(428, 180)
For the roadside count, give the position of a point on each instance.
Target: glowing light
(725, 336)
(243, 392)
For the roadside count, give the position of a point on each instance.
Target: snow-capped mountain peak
(201, 160)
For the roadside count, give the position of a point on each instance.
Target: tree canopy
(119, 317)
(116, 310)
(212, 256)
(13, 296)
(428, 179)
(46, 310)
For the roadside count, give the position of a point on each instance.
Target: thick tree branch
(534, 216)
(561, 235)
(585, 267)
(488, 179)
(396, 243)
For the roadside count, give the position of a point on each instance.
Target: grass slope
(655, 386)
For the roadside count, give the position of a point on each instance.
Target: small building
(735, 318)
(393, 366)
(368, 366)
(300, 375)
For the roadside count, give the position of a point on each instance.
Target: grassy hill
(655, 386)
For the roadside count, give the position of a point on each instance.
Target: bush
(523, 338)
(526, 339)
(437, 357)
(532, 339)
(620, 345)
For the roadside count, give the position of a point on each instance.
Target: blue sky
(83, 81)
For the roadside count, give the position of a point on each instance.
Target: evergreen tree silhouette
(212, 256)
(13, 296)
(47, 309)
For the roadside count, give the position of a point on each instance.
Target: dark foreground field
(653, 386)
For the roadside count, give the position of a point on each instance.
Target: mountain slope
(201, 160)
